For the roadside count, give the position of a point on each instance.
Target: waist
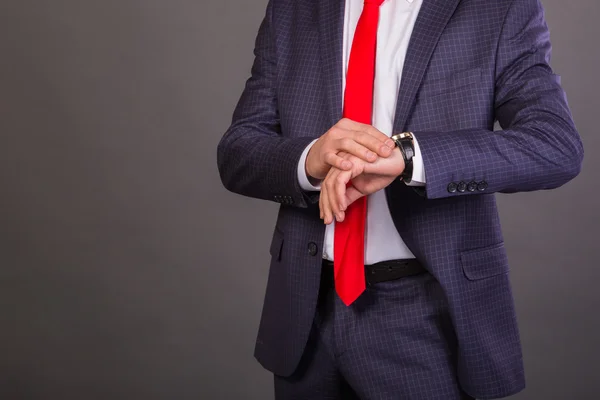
(382, 271)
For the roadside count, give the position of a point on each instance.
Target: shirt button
(452, 187)
(462, 187)
(472, 186)
(313, 249)
(483, 185)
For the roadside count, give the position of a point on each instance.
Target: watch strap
(407, 148)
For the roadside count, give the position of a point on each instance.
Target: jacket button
(482, 186)
(472, 186)
(462, 187)
(452, 187)
(313, 248)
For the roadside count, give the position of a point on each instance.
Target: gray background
(118, 274)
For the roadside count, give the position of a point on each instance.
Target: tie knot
(374, 2)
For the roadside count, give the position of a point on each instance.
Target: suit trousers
(395, 342)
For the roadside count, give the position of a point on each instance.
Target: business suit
(469, 63)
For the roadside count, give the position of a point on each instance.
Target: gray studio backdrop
(128, 272)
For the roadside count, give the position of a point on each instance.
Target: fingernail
(390, 143)
(371, 155)
(346, 165)
(385, 150)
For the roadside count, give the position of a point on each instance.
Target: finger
(322, 206)
(362, 144)
(321, 202)
(339, 190)
(352, 194)
(325, 206)
(372, 131)
(374, 140)
(335, 160)
(350, 125)
(352, 146)
(322, 197)
(367, 135)
(333, 205)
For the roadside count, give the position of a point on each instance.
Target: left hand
(366, 178)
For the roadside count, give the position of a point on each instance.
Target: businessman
(371, 123)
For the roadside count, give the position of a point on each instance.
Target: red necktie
(349, 235)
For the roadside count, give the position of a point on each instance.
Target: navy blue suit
(469, 63)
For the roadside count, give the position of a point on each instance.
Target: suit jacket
(469, 63)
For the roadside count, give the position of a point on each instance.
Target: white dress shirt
(397, 19)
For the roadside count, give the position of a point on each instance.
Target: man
(389, 277)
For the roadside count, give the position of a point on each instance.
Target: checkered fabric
(469, 63)
(395, 342)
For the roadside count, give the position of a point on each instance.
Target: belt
(384, 271)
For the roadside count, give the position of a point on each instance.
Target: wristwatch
(405, 142)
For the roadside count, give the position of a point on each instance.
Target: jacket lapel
(331, 30)
(433, 18)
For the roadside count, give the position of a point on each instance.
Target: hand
(362, 141)
(367, 178)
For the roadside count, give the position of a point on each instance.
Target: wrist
(306, 181)
(311, 175)
(399, 159)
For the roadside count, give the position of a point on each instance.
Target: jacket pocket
(276, 244)
(450, 83)
(484, 262)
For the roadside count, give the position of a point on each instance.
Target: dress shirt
(397, 19)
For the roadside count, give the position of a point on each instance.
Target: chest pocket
(451, 84)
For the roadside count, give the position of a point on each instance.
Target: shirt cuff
(307, 183)
(418, 175)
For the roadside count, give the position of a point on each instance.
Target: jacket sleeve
(253, 157)
(538, 148)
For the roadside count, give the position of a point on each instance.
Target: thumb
(352, 194)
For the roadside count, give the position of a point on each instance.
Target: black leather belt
(385, 270)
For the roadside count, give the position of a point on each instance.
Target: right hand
(360, 140)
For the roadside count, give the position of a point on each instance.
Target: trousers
(395, 342)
